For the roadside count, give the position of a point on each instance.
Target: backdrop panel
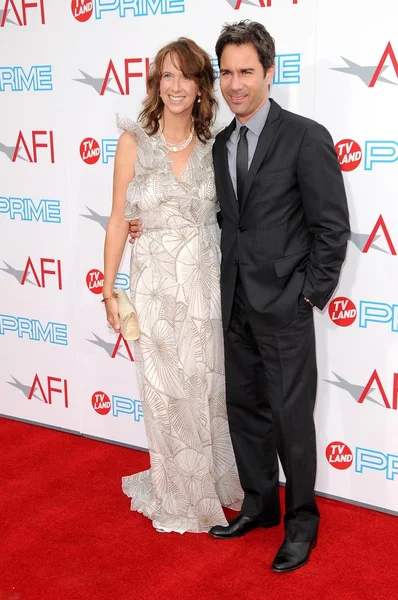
(67, 69)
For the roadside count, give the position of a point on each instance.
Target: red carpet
(68, 534)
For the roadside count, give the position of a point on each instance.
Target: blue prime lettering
(139, 8)
(33, 329)
(47, 211)
(16, 79)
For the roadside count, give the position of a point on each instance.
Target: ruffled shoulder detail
(140, 135)
(151, 153)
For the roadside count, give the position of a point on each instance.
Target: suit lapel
(264, 142)
(229, 188)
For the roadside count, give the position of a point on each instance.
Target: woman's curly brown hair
(195, 63)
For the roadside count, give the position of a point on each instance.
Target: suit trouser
(271, 379)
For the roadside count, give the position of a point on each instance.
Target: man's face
(243, 84)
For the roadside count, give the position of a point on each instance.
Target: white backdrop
(63, 77)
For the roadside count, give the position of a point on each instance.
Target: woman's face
(177, 91)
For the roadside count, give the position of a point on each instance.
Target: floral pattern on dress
(175, 288)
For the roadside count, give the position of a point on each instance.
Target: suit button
(241, 229)
(235, 262)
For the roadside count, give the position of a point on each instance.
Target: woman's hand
(112, 314)
(135, 229)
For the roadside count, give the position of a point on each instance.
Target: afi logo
(103, 404)
(47, 385)
(35, 144)
(365, 242)
(112, 349)
(375, 379)
(380, 225)
(127, 74)
(43, 270)
(339, 455)
(91, 151)
(236, 4)
(388, 53)
(369, 74)
(17, 9)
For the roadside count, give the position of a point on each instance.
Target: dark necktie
(242, 162)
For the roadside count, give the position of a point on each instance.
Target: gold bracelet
(114, 295)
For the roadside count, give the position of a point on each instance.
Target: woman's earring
(199, 100)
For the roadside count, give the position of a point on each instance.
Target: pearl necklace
(176, 147)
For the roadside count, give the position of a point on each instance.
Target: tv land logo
(343, 312)
(83, 10)
(113, 349)
(370, 75)
(95, 281)
(15, 12)
(34, 330)
(91, 151)
(350, 153)
(361, 393)
(26, 209)
(39, 272)
(35, 138)
(119, 405)
(340, 456)
(37, 78)
(44, 389)
(236, 4)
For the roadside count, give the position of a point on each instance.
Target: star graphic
(365, 74)
(18, 274)
(25, 389)
(96, 217)
(107, 346)
(95, 82)
(7, 19)
(359, 240)
(354, 390)
(9, 151)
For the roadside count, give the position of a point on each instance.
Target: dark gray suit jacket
(290, 236)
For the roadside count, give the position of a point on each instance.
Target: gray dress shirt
(255, 126)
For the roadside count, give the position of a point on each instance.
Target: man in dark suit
(284, 234)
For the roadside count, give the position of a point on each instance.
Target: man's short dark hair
(248, 32)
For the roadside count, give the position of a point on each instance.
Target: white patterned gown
(175, 288)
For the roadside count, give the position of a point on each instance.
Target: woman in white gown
(163, 175)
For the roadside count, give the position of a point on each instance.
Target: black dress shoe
(239, 526)
(292, 555)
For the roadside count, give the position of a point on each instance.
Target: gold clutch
(129, 327)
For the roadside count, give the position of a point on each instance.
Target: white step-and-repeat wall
(66, 68)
